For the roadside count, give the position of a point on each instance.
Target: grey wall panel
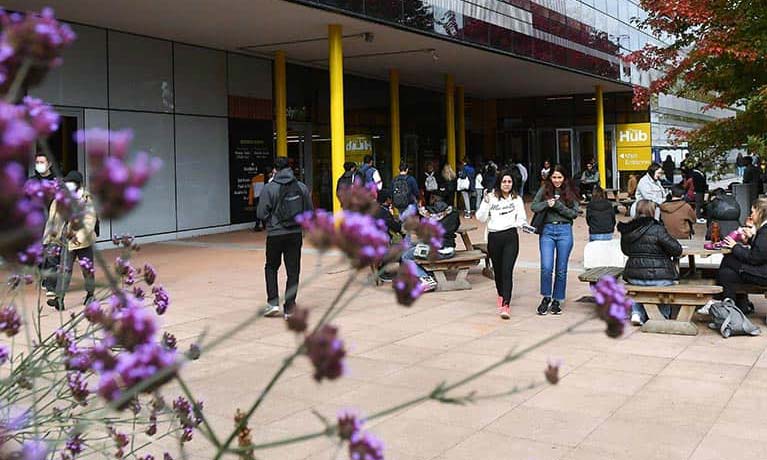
(152, 133)
(202, 171)
(250, 77)
(199, 80)
(98, 119)
(82, 79)
(140, 73)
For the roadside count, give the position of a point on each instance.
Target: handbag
(539, 220)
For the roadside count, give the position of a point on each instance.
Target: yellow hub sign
(634, 146)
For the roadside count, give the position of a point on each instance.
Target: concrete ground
(639, 397)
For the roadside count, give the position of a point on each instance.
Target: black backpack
(400, 192)
(290, 203)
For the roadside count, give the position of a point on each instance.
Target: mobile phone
(527, 228)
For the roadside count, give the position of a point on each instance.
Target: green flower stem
(211, 435)
(285, 365)
(14, 91)
(438, 392)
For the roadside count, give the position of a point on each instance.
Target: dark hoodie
(600, 215)
(649, 248)
(349, 178)
(267, 202)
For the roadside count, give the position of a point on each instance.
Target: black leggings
(729, 277)
(503, 248)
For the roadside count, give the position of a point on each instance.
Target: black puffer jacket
(754, 257)
(726, 211)
(649, 248)
(600, 215)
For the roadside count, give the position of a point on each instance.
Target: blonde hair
(448, 173)
(760, 211)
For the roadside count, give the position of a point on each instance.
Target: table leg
(467, 241)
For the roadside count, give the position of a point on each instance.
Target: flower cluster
(428, 231)
(161, 299)
(75, 444)
(326, 352)
(78, 386)
(121, 441)
(125, 241)
(116, 183)
(34, 38)
(362, 238)
(613, 305)
(87, 265)
(126, 271)
(22, 211)
(407, 286)
(5, 353)
(365, 446)
(190, 415)
(18, 279)
(298, 320)
(10, 321)
(359, 198)
(348, 425)
(169, 341)
(150, 274)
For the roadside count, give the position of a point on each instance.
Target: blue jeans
(600, 236)
(638, 308)
(409, 255)
(555, 238)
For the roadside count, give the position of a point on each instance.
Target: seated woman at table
(650, 250)
(747, 263)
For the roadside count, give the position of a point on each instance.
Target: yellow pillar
(461, 123)
(450, 119)
(394, 120)
(601, 164)
(336, 68)
(280, 104)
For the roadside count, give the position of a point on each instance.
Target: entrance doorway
(586, 150)
(565, 149)
(309, 156)
(68, 154)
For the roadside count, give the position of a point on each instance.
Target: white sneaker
(701, 221)
(705, 309)
(428, 283)
(636, 320)
(272, 310)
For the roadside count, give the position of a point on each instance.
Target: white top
(522, 171)
(502, 214)
(478, 182)
(377, 179)
(649, 189)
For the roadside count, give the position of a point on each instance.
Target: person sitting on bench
(650, 249)
(747, 263)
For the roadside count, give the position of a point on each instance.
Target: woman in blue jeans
(557, 199)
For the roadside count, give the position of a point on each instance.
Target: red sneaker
(499, 302)
(505, 312)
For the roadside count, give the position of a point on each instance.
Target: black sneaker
(543, 308)
(556, 308)
(89, 298)
(56, 303)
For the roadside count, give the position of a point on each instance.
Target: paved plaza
(640, 397)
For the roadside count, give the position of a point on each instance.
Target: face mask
(41, 168)
(71, 186)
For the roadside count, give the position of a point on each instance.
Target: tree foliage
(717, 53)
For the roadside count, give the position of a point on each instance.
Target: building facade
(200, 89)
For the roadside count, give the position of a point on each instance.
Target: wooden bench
(687, 296)
(592, 275)
(458, 264)
(488, 271)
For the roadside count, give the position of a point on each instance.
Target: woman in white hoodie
(504, 212)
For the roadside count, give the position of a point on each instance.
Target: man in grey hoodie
(282, 199)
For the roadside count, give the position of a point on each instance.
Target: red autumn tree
(717, 54)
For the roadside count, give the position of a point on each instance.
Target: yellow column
(336, 68)
(461, 123)
(450, 119)
(600, 134)
(394, 120)
(280, 104)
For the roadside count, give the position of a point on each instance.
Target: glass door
(586, 150)
(68, 155)
(565, 149)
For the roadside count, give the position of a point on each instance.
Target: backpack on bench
(729, 320)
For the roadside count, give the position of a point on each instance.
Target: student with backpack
(430, 184)
(282, 200)
(370, 174)
(404, 189)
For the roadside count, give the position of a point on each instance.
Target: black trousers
(503, 248)
(699, 204)
(729, 277)
(68, 262)
(279, 247)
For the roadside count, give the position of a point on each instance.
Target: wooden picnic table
(464, 230)
(693, 248)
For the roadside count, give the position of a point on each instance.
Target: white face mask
(71, 186)
(41, 168)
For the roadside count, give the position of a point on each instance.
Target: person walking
(668, 169)
(404, 189)
(282, 200)
(75, 241)
(430, 183)
(545, 170)
(370, 173)
(524, 175)
(479, 188)
(448, 184)
(700, 185)
(504, 212)
(350, 177)
(740, 163)
(465, 185)
(559, 201)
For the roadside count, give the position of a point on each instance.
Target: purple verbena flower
(34, 450)
(133, 367)
(363, 238)
(358, 199)
(43, 118)
(161, 299)
(326, 352)
(17, 279)
(613, 305)
(169, 340)
(22, 209)
(365, 446)
(320, 228)
(63, 338)
(297, 322)
(150, 274)
(407, 285)
(552, 371)
(93, 312)
(189, 415)
(194, 352)
(75, 444)
(78, 386)
(10, 321)
(5, 353)
(133, 325)
(349, 424)
(87, 265)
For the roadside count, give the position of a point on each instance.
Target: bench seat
(488, 271)
(458, 264)
(592, 275)
(688, 297)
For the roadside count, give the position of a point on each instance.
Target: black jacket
(393, 226)
(348, 179)
(699, 181)
(754, 257)
(600, 215)
(726, 211)
(649, 248)
(448, 217)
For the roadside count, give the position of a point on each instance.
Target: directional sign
(634, 158)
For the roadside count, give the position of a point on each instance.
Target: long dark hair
(514, 181)
(568, 195)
